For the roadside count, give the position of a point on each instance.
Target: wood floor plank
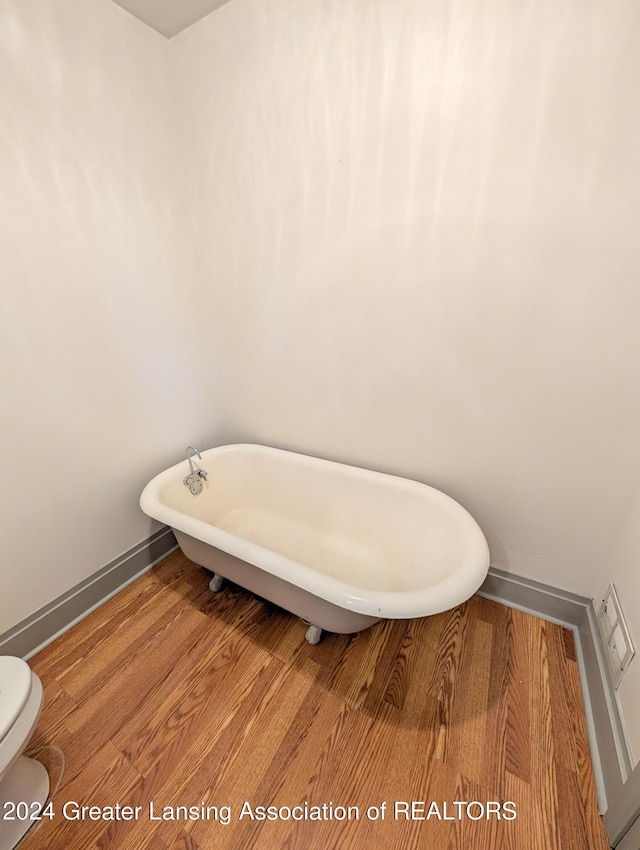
(170, 695)
(60, 706)
(273, 752)
(117, 648)
(61, 655)
(582, 767)
(190, 696)
(196, 775)
(109, 778)
(417, 707)
(543, 756)
(572, 823)
(184, 841)
(99, 717)
(494, 762)
(563, 727)
(476, 831)
(467, 734)
(518, 717)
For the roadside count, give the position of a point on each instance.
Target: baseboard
(542, 600)
(610, 753)
(39, 629)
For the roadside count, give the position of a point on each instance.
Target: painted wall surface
(100, 341)
(417, 230)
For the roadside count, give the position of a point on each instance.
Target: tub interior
(375, 531)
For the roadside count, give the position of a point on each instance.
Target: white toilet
(23, 780)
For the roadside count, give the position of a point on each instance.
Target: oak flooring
(174, 696)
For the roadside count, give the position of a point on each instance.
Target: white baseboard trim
(611, 758)
(41, 628)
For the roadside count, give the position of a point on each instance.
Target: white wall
(100, 340)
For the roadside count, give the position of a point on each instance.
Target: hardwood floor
(172, 696)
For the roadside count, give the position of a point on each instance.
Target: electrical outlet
(609, 616)
(615, 635)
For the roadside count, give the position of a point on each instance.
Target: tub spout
(195, 477)
(191, 451)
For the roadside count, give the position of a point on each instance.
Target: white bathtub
(339, 546)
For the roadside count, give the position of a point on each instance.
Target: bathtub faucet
(195, 477)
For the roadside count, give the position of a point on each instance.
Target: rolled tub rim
(403, 604)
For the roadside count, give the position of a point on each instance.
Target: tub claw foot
(314, 633)
(216, 582)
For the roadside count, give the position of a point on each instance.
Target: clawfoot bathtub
(339, 546)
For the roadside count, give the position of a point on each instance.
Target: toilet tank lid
(15, 686)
